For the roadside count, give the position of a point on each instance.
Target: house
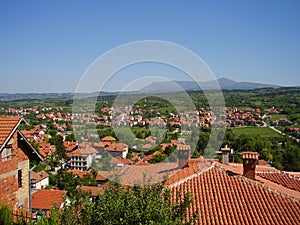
(118, 150)
(120, 162)
(39, 180)
(237, 193)
(93, 190)
(44, 199)
(108, 138)
(70, 145)
(15, 153)
(82, 158)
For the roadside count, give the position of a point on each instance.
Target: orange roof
(94, 190)
(7, 125)
(120, 161)
(38, 176)
(222, 198)
(102, 144)
(116, 147)
(70, 145)
(283, 179)
(79, 173)
(83, 151)
(141, 163)
(44, 199)
(108, 138)
(99, 177)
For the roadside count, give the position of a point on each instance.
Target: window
(6, 154)
(20, 178)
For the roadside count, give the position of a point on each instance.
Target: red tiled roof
(38, 176)
(148, 173)
(141, 163)
(120, 161)
(70, 145)
(7, 125)
(108, 138)
(94, 190)
(79, 173)
(83, 151)
(220, 198)
(283, 179)
(44, 199)
(116, 147)
(99, 177)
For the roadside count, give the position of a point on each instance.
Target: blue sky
(45, 46)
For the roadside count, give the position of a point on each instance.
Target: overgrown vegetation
(116, 206)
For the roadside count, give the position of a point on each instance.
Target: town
(45, 161)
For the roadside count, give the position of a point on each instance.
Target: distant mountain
(225, 84)
(156, 87)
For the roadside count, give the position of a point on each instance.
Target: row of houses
(222, 192)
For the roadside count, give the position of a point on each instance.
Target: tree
(88, 180)
(57, 140)
(125, 205)
(70, 137)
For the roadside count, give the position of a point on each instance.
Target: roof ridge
(191, 176)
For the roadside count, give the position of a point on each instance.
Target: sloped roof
(38, 176)
(8, 124)
(44, 199)
(220, 198)
(108, 138)
(94, 190)
(116, 147)
(283, 179)
(83, 151)
(120, 161)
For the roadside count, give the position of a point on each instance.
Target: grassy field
(262, 131)
(278, 116)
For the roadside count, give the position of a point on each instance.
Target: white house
(39, 180)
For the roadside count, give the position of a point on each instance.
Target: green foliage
(39, 167)
(57, 140)
(5, 215)
(64, 180)
(121, 205)
(35, 145)
(262, 131)
(291, 158)
(88, 180)
(70, 137)
(158, 158)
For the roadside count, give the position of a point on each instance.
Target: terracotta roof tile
(44, 199)
(220, 198)
(108, 138)
(94, 190)
(7, 124)
(38, 176)
(120, 161)
(116, 147)
(283, 179)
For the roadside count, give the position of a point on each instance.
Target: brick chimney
(249, 164)
(225, 154)
(184, 153)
